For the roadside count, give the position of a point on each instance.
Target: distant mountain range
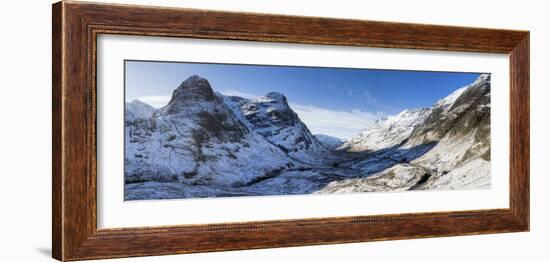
(205, 144)
(330, 142)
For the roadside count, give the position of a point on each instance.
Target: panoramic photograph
(206, 130)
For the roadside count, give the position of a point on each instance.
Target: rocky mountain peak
(194, 87)
(464, 111)
(483, 78)
(272, 117)
(481, 84)
(277, 96)
(138, 110)
(137, 102)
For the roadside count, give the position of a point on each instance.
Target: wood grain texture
(519, 129)
(57, 215)
(76, 26)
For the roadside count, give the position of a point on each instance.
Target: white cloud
(341, 124)
(155, 101)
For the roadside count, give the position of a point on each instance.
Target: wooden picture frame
(76, 26)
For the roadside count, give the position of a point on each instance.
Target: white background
(25, 147)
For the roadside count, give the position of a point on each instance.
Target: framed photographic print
(181, 130)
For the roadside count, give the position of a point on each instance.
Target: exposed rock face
(272, 117)
(194, 89)
(463, 134)
(466, 109)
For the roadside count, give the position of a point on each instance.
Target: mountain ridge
(456, 133)
(205, 144)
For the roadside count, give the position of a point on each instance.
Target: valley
(205, 144)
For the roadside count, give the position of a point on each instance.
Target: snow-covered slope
(457, 109)
(387, 132)
(196, 139)
(330, 142)
(205, 144)
(138, 110)
(463, 134)
(449, 141)
(204, 138)
(272, 117)
(393, 179)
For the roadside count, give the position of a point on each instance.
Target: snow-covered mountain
(272, 117)
(387, 132)
(138, 110)
(205, 144)
(202, 138)
(461, 157)
(447, 146)
(458, 109)
(197, 139)
(330, 142)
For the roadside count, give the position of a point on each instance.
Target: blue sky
(324, 98)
